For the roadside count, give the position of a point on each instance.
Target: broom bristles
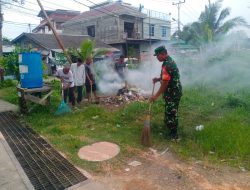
(145, 137)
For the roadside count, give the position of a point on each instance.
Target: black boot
(173, 134)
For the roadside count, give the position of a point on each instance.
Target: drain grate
(43, 165)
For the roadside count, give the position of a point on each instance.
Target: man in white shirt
(66, 77)
(79, 76)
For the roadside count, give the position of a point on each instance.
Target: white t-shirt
(67, 78)
(78, 74)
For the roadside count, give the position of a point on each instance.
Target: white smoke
(109, 81)
(223, 65)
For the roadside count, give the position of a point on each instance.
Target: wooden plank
(33, 99)
(34, 90)
(46, 96)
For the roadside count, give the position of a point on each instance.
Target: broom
(145, 135)
(63, 107)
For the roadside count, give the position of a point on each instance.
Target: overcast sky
(17, 18)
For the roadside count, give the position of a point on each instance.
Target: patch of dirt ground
(166, 172)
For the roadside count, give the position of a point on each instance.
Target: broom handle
(62, 91)
(91, 93)
(150, 105)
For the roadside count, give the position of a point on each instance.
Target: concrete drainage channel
(44, 166)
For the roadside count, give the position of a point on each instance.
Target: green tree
(6, 40)
(10, 62)
(212, 24)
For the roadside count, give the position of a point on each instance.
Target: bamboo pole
(59, 41)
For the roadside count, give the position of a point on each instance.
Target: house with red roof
(57, 18)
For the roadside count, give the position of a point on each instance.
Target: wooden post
(22, 102)
(1, 26)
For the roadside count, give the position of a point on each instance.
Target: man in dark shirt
(120, 67)
(90, 80)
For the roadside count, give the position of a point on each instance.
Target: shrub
(234, 101)
(8, 83)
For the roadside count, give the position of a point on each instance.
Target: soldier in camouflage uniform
(170, 88)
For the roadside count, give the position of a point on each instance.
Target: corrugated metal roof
(59, 11)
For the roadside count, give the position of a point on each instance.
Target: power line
(19, 23)
(4, 3)
(17, 10)
(36, 5)
(11, 8)
(46, 6)
(22, 12)
(164, 1)
(97, 5)
(188, 14)
(192, 9)
(18, 26)
(102, 12)
(178, 6)
(94, 8)
(55, 4)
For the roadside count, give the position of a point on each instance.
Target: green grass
(8, 91)
(225, 135)
(226, 126)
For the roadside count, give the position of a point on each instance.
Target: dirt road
(166, 172)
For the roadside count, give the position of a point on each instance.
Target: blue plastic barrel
(30, 68)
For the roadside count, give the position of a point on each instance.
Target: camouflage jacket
(170, 72)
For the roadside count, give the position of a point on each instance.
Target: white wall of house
(160, 29)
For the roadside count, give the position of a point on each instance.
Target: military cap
(160, 49)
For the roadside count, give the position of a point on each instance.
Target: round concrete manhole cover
(99, 151)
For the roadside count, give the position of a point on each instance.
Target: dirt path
(166, 172)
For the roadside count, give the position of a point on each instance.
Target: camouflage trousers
(171, 113)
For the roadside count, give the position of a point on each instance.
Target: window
(151, 30)
(129, 28)
(91, 31)
(163, 31)
(58, 26)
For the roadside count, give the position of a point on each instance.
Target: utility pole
(209, 2)
(178, 6)
(29, 25)
(1, 26)
(150, 30)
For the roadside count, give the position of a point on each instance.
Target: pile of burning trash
(124, 95)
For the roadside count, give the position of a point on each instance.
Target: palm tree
(211, 24)
(214, 19)
(87, 50)
(192, 34)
